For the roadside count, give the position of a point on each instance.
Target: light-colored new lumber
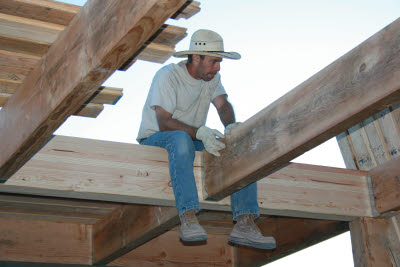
(157, 53)
(386, 184)
(170, 35)
(73, 69)
(107, 95)
(4, 98)
(43, 10)
(376, 242)
(351, 89)
(8, 87)
(29, 29)
(23, 46)
(291, 234)
(101, 170)
(127, 228)
(13, 74)
(44, 241)
(18, 60)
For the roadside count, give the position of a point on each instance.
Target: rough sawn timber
(354, 87)
(78, 62)
(103, 170)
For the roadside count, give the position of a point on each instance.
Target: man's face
(208, 67)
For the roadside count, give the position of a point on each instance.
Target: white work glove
(208, 136)
(229, 128)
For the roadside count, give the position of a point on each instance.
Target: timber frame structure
(68, 201)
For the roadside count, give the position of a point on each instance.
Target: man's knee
(183, 144)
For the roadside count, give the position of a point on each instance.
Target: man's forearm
(226, 114)
(174, 125)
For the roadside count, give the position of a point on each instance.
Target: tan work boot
(191, 230)
(245, 232)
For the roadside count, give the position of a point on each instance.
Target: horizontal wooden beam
(18, 60)
(101, 170)
(188, 10)
(127, 228)
(72, 70)
(292, 235)
(42, 10)
(23, 46)
(386, 184)
(356, 86)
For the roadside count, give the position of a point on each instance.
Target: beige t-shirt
(176, 91)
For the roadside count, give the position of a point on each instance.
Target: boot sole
(193, 239)
(241, 241)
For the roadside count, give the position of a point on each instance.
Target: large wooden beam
(376, 242)
(101, 170)
(386, 184)
(77, 63)
(292, 235)
(127, 228)
(351, 89)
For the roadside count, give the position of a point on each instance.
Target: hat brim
(230, 55)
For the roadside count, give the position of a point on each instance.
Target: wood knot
(363, 67)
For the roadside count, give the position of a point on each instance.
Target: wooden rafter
(351, 89)
(74, 67)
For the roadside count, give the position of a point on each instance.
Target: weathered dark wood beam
(351, 89)
(77, 63)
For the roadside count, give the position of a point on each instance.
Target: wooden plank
(190, 9)
(129, 227)
(351, 89)
(167, 250)
(13, 74)
(43, 241)
(346, 150)
(8, 87)
(51, 209)
(24, 46)
(89, 110)
(30, 118)
(386, 184)
(156, 53)
(43, 10)
(292, 235)
(106, 95)
(169, 35)
(18, 60)
(29, 29)
(4, 98)
(139, 174)
(376, 242)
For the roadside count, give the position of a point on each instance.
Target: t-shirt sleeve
(162, 90)
(220, 90)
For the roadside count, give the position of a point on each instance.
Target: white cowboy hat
(208, 43)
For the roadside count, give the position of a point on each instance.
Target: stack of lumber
(29, 28)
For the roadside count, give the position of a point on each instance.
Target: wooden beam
(23, 46)
(29, 29)
(89, 110)
(129, 227)
(167, 250)
(386, 184)
(188, 10)
(291, 234)
(43, 10)
(72, 70)
(84, 168)
(44, 241)
(18, 60)
(157, 53)
(8, 87)
(351, 89)
(376, 242)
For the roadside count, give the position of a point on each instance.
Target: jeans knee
(183, 144)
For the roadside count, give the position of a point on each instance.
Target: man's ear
(196, 59)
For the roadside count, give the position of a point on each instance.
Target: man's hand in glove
(208, 136)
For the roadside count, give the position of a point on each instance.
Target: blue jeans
(181, 151)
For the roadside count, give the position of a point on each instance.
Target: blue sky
(282, 44)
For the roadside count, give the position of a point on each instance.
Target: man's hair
(190, 58)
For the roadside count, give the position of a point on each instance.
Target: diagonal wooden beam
(351, 89)
(101, 170)
(77, 63)
(127, 228)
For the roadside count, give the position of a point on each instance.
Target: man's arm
(167, 123)
(225, 109)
